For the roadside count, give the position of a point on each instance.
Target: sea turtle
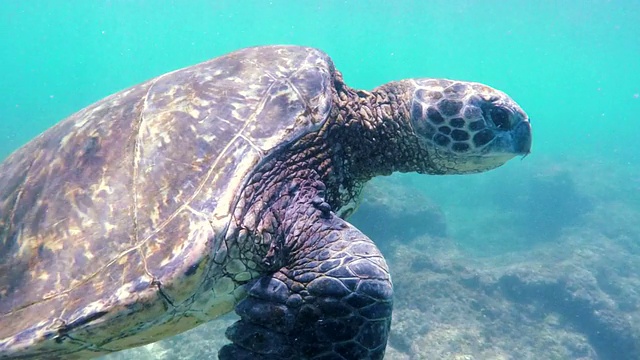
(225, 185)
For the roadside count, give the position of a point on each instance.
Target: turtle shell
(136, 190)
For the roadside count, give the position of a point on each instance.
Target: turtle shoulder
(207, 126)
(205, 129)
(124, 197)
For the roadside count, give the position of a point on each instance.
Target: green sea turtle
(225, 185)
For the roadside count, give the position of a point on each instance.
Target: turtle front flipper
(332, 300)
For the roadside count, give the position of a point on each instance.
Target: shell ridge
(135, 172)
(20, 192)
(239, 135)
(10, 227)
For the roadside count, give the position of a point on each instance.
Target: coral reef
(201, 343)
(391, 212)
(574, 300)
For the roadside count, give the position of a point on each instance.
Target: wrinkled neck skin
(368, 134)
(371, 136)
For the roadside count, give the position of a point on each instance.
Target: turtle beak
(522, 138)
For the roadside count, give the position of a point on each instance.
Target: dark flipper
(332, 301)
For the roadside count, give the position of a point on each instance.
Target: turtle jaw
(512, 143)
(522, 138)
(472, 164)
(503, 147)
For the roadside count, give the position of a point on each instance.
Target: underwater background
(539, 259)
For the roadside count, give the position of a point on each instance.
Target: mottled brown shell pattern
(112, 220)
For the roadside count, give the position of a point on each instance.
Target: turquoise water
(574, 67)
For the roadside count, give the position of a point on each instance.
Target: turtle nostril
(500, 118)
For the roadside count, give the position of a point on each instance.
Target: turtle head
(466, 127)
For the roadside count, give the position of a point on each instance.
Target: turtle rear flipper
(332, 301)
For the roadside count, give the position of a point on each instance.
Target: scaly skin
(333, 298)
(329, 295)
(158, 208)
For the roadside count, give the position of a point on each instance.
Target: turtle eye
(500, 118)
